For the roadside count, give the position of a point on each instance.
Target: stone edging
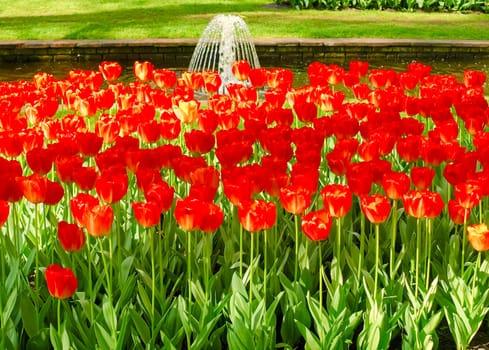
(272, 52)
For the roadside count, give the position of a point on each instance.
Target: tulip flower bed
(350, 212)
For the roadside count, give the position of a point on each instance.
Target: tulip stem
(90, 289)
(418, 249)
(296, 267)
(251, 273)
(320, 280)
(36, 209)
(59, 315)
(392, 259)
(428, 243)
(362, 247)
(265, 248)
(241, 251)
(153, 276)
(464, 244)
(189, 269)
(377, 258)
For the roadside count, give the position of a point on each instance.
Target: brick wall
(273, 52)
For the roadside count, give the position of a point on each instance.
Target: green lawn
(136, 19)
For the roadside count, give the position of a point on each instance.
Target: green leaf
(55, 338)
(141, 326)
(312, 341)
(103, 337)
(29, 322)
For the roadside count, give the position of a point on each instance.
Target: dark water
(15, 72)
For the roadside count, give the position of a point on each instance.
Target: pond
(25, 71)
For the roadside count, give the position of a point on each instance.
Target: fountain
(225, 40)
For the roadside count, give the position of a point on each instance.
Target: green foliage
(426, 5)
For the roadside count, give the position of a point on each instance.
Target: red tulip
(316, 225)
(422, 177)
(337, 199)
(199, 142)
(147, 214)
(376, 208)
(241, 69)
(408, 148)
(170, 126)
(468, 194)
(110, 70)
(164, 78)
(257, 215)
(161, 193)
(295, 199)
(395, 184)
(4, 212)
(80, 204)
(89, 144)
(34, 188)
(191, 80)
(212, 81)
(457, 213)
(40, 160)
(143, 70)
(422, 204)
(70, 236)
(212, 218)
(62, 282)
(98, 220)
(112, 185)
(189, 213)
(54, 193)
(474, 78)
(258, 77)
(359, 68)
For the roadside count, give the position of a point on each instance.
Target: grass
(137, 19)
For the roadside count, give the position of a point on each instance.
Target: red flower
(212, 81)
(474, 78)
(257, 215)
(98, 220)
(395, 184)
(375, 207)
(295, 199)
(213, 217)
(147, 214)
(160, 193)
(189, 213)
(306, 111)
(62, 282)
(54, 193)
(40, 160)
(170, 126)
(258, 77)
(478, 236)
(111, 186)
(85, 178)
(457, 213)
(468, 194)
(359, 68)
(316, 225)
(422, 204)
(422, 177)
(81, 203)
(337, 199)
(4, 212)
(199, 142)
(143, 70)
(110, 70)
(164, 78)
(70, 236)
(241, 69)
(34, 188)
(89, 143)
